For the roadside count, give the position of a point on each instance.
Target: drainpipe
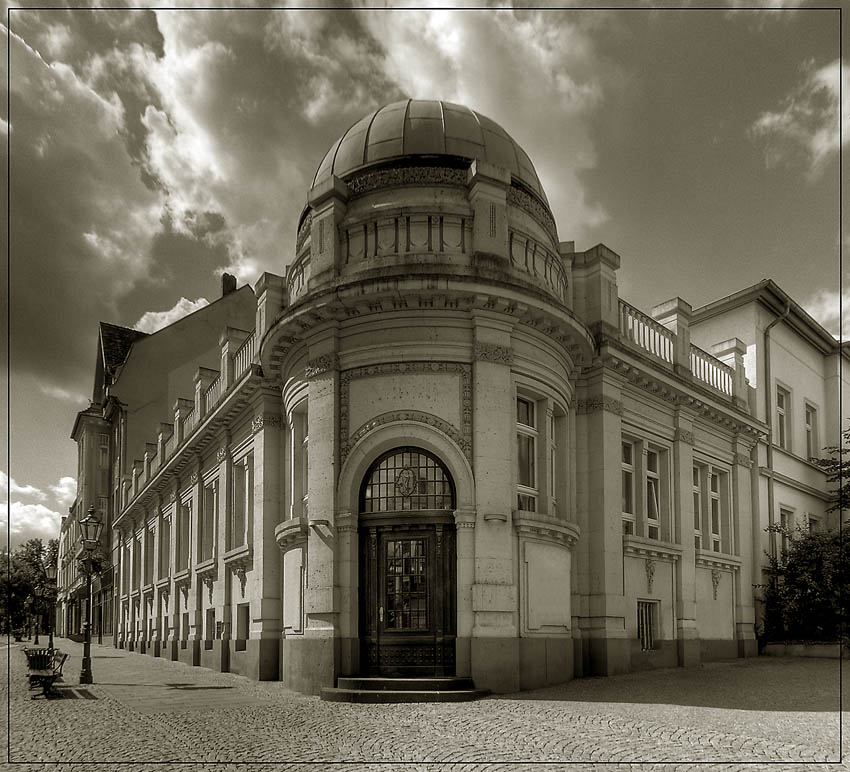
(768, 406)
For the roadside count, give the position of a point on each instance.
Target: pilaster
(488, 185)
(743, 536)
(683, 523)
(328, 200)
(494, 644)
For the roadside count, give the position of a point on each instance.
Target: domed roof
(420, 127)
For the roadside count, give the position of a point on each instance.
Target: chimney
(228, 284)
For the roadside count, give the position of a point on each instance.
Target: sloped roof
(115, 344)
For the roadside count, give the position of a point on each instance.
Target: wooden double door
(408, 588)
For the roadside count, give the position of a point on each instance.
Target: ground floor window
(646, 620)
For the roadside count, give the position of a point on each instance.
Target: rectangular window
(148, 556)
(786, 518)
(814, 524)
(646, 624)
(243, 500)
(185, 520)
(526, 435)
(207, 521)
(697, 492)
(628, 484)
(209, 632)
(653, 500)
(811, 432)
(243, 618)
(553, 466)
(783, 404)
(714, 497)
(164, 547)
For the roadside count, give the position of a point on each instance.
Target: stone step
(386, 696)
(445, 683)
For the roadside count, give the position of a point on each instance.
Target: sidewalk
(149, 710)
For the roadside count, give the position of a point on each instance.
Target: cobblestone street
(147, 710)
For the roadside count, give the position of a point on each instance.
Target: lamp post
(50, 572)
(90, 528)
(38, 593)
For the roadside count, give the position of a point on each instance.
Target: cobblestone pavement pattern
(146, 711)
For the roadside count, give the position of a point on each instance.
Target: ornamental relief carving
(742, 459)
(585, 406)
(683, 435)
(221, 454)
(414, 175)
(266, 420)
(530, 204)
(321, 365)
(715, 580)
(490, 352)
(462, 437)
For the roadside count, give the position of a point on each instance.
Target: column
(494, 646)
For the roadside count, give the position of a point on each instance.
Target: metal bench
(45, 676)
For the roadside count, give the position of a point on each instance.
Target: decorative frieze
(266, 421)
(375, 179)
(303, 231)
(463, 436)
(534, 207)
(321, 365)
(609, 404)
(683, 435)
(490, 352)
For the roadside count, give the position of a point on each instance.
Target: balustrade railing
(169, 445)
(645, 332)
(711, 370)
(244, 356)
(189, 423)
(213, 395)
(529, 256)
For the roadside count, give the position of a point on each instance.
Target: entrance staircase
(389, 690)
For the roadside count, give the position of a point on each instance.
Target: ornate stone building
(442, 445)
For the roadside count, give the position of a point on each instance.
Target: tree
(808, 588)
(24, 570)
(837, 468)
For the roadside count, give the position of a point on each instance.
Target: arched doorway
(408, 567)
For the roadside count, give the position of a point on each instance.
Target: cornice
(543, 528)
(650, 548)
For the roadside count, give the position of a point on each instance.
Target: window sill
(242, 552)
(710, 559)
(640, 545)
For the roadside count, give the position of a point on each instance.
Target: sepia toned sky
(152, 150)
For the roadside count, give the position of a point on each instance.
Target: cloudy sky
(152, 150)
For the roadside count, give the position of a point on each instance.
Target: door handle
(381, 614)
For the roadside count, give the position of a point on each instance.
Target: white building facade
(446, 448)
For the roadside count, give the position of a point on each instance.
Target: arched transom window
(407, 479)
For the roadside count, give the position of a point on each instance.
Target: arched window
(407, 479)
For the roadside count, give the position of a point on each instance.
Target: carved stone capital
(490, 352)
(742, 459)
(321, 365)
(221, 454)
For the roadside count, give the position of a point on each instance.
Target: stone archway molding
(385, 436)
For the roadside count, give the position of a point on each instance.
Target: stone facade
(447, 447)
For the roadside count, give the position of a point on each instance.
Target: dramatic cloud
(808, 120)
(9, 486)
(65, 491)
(152, 321)
(30, 521)
(57, 392)
(826, 306)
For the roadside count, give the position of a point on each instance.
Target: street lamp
(89, 528)
(38, 592)
(50, 572)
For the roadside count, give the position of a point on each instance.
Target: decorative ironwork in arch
(407, 479)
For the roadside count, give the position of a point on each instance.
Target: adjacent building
(441, 443)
